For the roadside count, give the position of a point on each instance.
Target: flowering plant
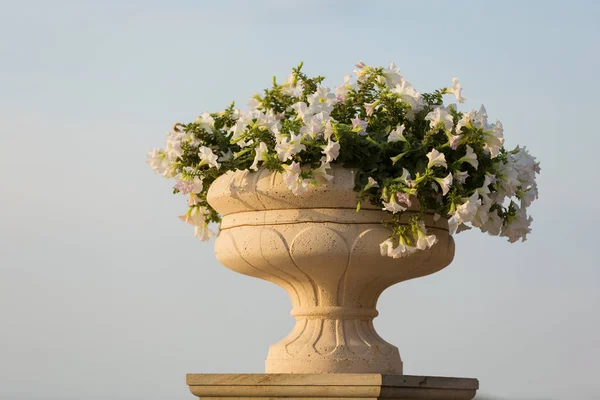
(408, 150)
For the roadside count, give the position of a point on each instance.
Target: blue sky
(104, 293)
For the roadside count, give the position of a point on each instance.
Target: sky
(104, 293)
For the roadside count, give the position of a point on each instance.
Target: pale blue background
(104, 294)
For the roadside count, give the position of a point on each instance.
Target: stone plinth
(330, 387)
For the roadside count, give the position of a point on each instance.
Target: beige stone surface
(330, 386)
(326, 256)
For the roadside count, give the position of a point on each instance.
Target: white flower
(494, 138)
(302, 110)
(361, 70)
(193, 200)
(457, 90)
(359, 126)
(470, 158)
(289, 147)
(189, 186)
(393, 206)
(322, 100)
(173, 148)
(525, 164)
(371, 183)
(392, 76)
(436, 159)
(158, 161)
(293, 180)
(404, 178)
(238, 130)
(207, 157)
(444, 183)
(454, 141)
(461, 177)
(517, 227)
(402, 250)
(342, 90)
(195, 216)
(292, 87)
(493, 225)
(397, 135)
(466, 211)
(370, 107)
(508, 178)
(331, 150)
(440, 115)
(424, 241)
(206, 121)
(386, 247)
(312, 128)
(329, 130)
(253, 104)
(403, 198)
(261, 155)
(409, 95)
(528, 196)
(203, 233)
(320, 174)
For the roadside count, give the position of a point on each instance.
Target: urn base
(330, 387)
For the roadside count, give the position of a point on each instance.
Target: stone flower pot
(327, 258)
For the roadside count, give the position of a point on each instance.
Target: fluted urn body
(327, 258)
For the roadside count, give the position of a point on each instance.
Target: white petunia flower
(424, 241)
(342, 90)
(457, 90)
(409, 95)
(444, 183)
(312, 129)
(528, 196)
(361, 70)
(293, 180)
(392, 76)
(292, 87)
(371, 107)
(203, 233)
(440, 115)
(493, 138)
(466, 211)
(359, 126)
(393, 206)
(206, 121)
(405, 177)
(331, 150)
(470, 158)
(261, 155)
(397, 135)
(207, 157)
(454, 141)
(289, 147)
(329, 130)
(302, 110)
(436, 159)
(158, 161)
(173, 147)
(493, 225)
(253, 104)
(461, 177)
(322, 100)
(518, 227)
(371, 183)
(320, 174)
(194, 216)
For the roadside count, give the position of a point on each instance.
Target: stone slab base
(330, 387)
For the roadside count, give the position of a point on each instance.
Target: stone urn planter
(327, 258)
